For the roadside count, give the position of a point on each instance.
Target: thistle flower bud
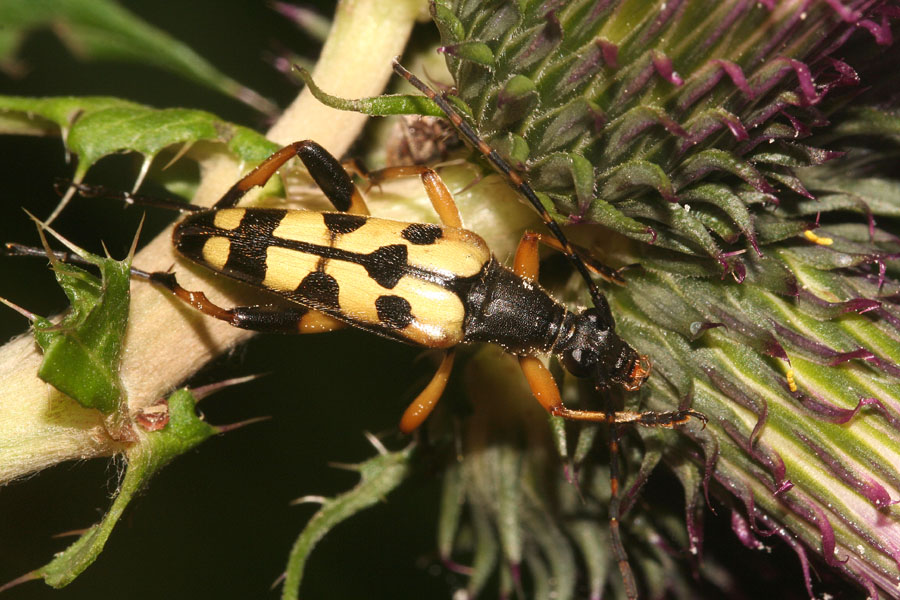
(739, 155)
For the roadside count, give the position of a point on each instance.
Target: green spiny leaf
(94, 127)
(379, 477)
(82, 351)
(151, 453)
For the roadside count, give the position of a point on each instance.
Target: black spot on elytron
(189, 244)
(387, 265)
(342, 222)
(394, 312)
(422, 234)
(261, 222)
(320, 289)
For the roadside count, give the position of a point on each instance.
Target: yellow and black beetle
(430, 285)
(435, 286)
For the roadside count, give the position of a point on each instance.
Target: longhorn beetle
(435, 286)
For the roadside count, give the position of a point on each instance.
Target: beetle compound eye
(577, 362)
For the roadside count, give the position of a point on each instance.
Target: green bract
(183, 431)
(82, 351)
(699, 131)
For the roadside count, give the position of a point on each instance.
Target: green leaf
(97, 126)
(103, 30)
(380, 476)
(82, 351)
(148, 131)
(183, 432)
(50, 116)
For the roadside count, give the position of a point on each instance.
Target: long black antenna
(517, 181)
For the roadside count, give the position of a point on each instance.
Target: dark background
(216, 522)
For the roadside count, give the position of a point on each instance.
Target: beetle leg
(607, 273)
(425, 402)
(541, 382)
(262, 318)
(440, 196)
(667, 419)
(615, 532)
(355, 167)
(324, 168)
(545, 390)
(527, 261)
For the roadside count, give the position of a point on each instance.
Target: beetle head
(595, 351)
